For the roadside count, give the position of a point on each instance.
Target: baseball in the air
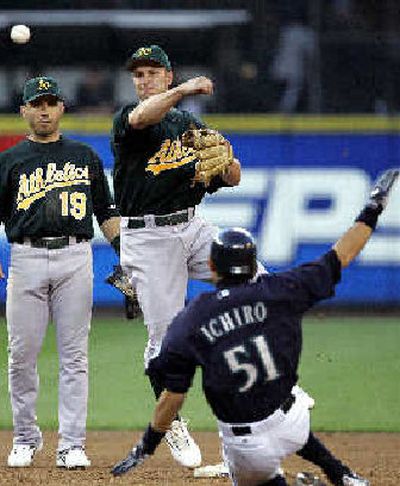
(20, 34)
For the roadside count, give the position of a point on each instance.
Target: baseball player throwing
(246, 336)
(160, 176)
(50, 187)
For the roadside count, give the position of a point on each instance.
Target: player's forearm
(153, 110)
(168, 406)
(111, 228)
(352, 242)
(232, 176)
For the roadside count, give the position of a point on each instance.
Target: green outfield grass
(350, 365)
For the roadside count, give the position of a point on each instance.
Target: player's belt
(52, 242)
(285, 406)
(152, 220)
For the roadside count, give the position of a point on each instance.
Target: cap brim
(40, 95)
(133, 63)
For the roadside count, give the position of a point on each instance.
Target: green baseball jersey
(52, 189)
(153, 172)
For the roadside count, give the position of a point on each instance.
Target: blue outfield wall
(298, 194)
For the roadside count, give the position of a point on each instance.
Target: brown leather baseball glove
(213, 152)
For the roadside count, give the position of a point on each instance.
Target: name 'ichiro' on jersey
(247, 339)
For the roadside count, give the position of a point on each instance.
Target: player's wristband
(151, 439)
(115, 243)
(369, 216)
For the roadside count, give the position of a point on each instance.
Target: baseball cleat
(308, 479)
(73, 458)
(134, 459)
(212, 471)
(353, 479)
(183, 448)
(22, 455)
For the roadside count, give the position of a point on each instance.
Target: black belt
(161, 220)
(51, 242)
(285, 406)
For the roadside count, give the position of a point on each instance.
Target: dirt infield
(375, 456)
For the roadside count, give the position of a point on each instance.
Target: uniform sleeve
(314, 281)
(176, 363)
(122, 129)
(121, 126)
(103, 204)
(194, 121)
(216, 183)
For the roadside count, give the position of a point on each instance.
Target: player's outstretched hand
(135, 457)
(380, 192)
(146, 447)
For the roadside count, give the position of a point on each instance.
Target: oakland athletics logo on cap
(143, 51)
(40, 86)
(43, 84)
(149, 54)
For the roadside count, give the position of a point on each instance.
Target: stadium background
(308, 94)
(294, 196)
(311, 138)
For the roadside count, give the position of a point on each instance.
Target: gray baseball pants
(160, 261)
(45, 284)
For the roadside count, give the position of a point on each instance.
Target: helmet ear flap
(234, 255)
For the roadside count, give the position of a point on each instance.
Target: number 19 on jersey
(73, 204)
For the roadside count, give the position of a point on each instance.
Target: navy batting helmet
(234, 254)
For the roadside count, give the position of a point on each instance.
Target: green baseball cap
(149, 55)
(41, 86)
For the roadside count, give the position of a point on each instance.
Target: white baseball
(20, 34)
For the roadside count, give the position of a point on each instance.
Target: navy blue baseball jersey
(247, 339)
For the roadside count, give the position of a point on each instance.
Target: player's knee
(154, 373)
(74, 362)
(19, 363)
(21, 358)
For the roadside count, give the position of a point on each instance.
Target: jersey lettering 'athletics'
(147, 158)
(52, 190)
